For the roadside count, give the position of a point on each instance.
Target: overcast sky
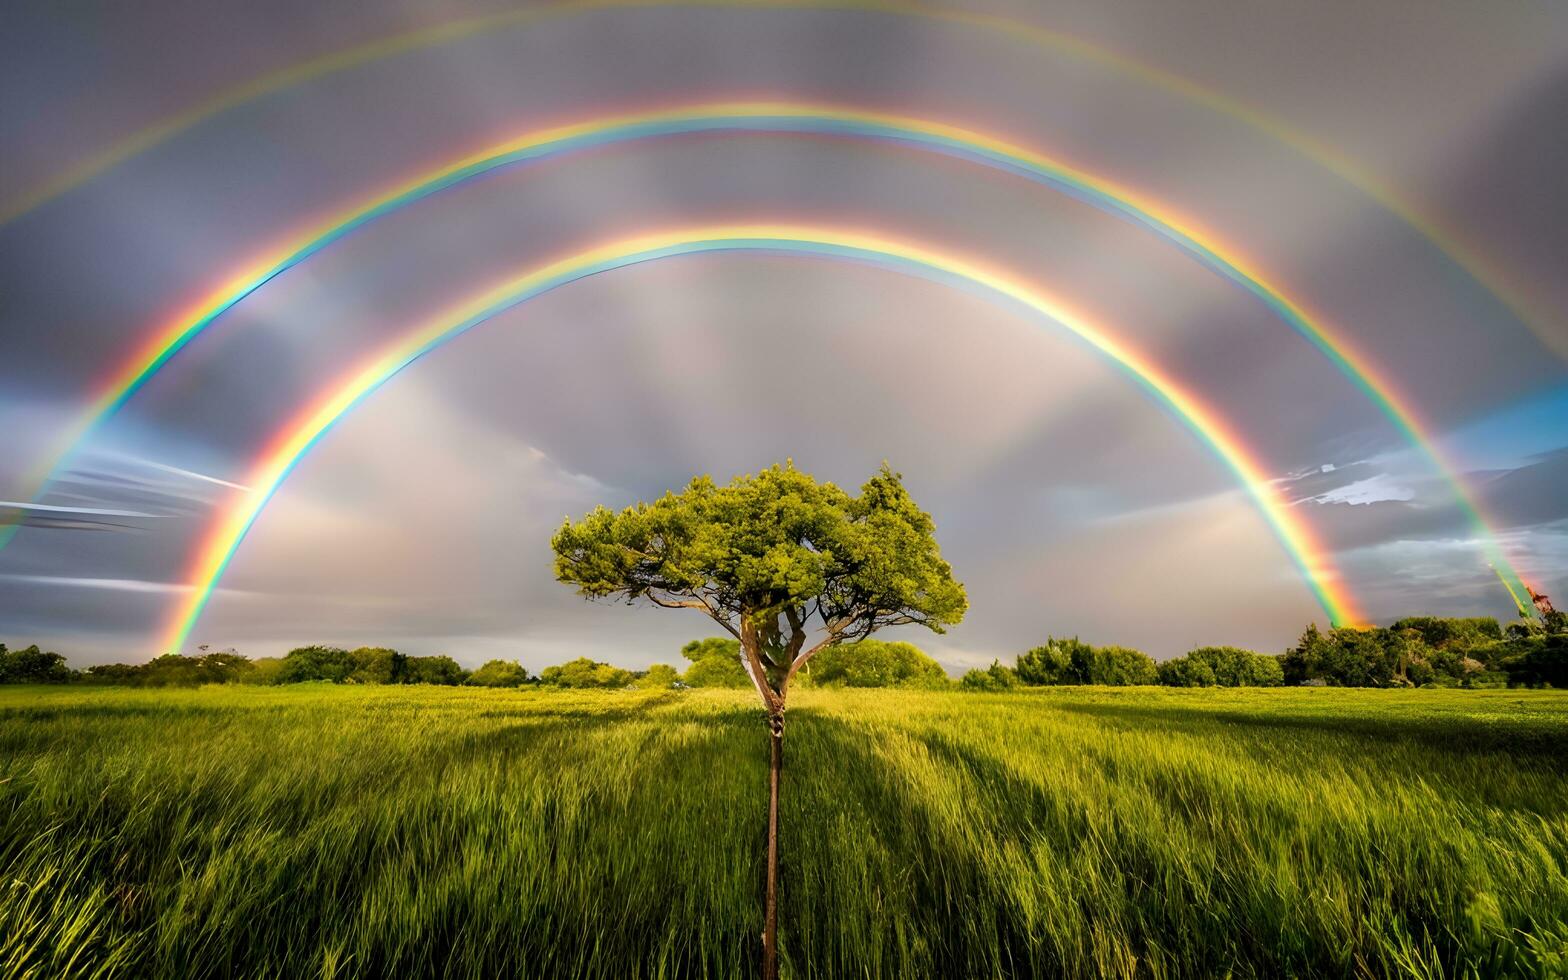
(1067, 500)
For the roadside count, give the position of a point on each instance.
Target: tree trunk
(770, 927)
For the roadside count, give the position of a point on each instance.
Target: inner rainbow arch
(298, 437)
(921, 134)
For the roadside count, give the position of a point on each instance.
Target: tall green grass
(338, 831)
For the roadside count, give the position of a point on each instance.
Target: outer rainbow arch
(922, 134)
(297, 439)
(1441, 232)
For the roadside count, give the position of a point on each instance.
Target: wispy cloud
(110, 584)
(60, 509)
(175, 470)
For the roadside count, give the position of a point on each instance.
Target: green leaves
(777, 552)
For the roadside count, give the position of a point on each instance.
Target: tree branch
(679, 604)
(748, 648)
(700, 602)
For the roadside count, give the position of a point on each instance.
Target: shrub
(378, 665)
(265, 670)
(659, 677)
(1054, 662)
(1121, 667)
(1226, 667)
(584, 672)
(499, 673)
(875, 663)
(715, 662)
(1187, 671)
(1072, 661)
(435, 670)
(996, 677)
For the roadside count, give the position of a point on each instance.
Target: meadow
(320, 830)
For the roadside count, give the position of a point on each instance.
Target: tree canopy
(31, 665)
(774, 559)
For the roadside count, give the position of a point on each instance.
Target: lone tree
(787, 565)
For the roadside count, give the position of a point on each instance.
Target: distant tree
(434, 670)
(377, 665)
(1555, 623)
(1072, 661)
(126, 674)
(315, 664)
(777, 560)
(1187, 671)
(264, 670)
(875, 663)
(1267, 670)
(1121, 667)
(1309, 658)
(997, 677)
(708, 647)
(499, 673)
(1538, 661)
(716, 672)
(1382, 657)
(659, 677)
(584, 672)
(1443, 633)
(176, 670)
(1360, 659)
(715, 662)
(31, 665)
(222, 667)
(1054, 662)
(169, 670)
(1222, 667)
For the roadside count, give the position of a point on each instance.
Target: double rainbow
(787, 118)
(299, 437)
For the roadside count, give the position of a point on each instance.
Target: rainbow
(788, 118)
(1439, 231)
(1526, 610)
(286, 451)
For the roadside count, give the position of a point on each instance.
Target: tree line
(711, 662)
(1419, 651)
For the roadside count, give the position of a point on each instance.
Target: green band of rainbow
(298, 438)
(920, 134)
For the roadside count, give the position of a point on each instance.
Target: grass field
(1135, 832)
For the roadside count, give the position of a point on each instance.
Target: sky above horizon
(1068, 500)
